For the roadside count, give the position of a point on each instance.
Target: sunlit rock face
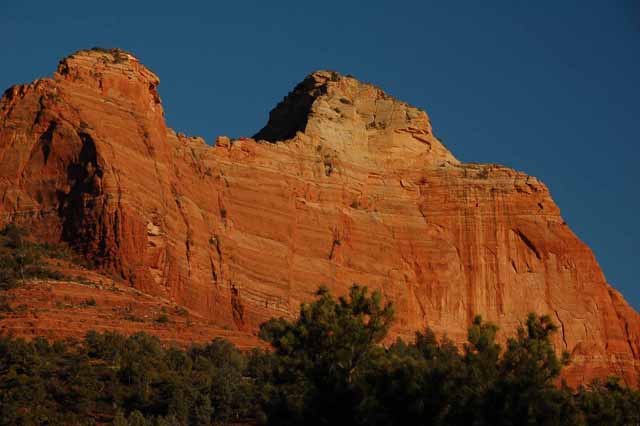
(345, 184)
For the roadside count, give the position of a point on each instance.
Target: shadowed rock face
(344, 184)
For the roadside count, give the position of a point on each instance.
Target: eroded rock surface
(345, 184)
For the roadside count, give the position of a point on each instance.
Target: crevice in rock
(419, 301)
(215, 243)
(528, 243)
(214, 274)
(41, 109)
(336, 243)
(45, 141)
(187, 240)
(237, 308)
(564, 337)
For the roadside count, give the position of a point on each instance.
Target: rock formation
(344, 184)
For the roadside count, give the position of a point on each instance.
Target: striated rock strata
(344, 184)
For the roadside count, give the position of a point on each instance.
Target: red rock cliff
(344, 184)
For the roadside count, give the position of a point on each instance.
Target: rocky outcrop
(344, 184)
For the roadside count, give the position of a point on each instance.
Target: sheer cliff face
(345, 184)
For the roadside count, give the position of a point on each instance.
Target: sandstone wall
(345, 184)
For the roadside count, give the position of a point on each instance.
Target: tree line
(326, 367)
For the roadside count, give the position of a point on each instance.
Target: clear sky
(547, 87)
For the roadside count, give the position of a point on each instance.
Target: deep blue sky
(547, 87)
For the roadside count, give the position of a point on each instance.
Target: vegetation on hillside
(22, 259)
(327, 367)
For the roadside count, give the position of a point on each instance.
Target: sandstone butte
(344, 184)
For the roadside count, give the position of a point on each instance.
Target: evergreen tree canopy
(327, 367)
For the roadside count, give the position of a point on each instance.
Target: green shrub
(162, 319)
(22, 259)
(132, 318)
(5, 306)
